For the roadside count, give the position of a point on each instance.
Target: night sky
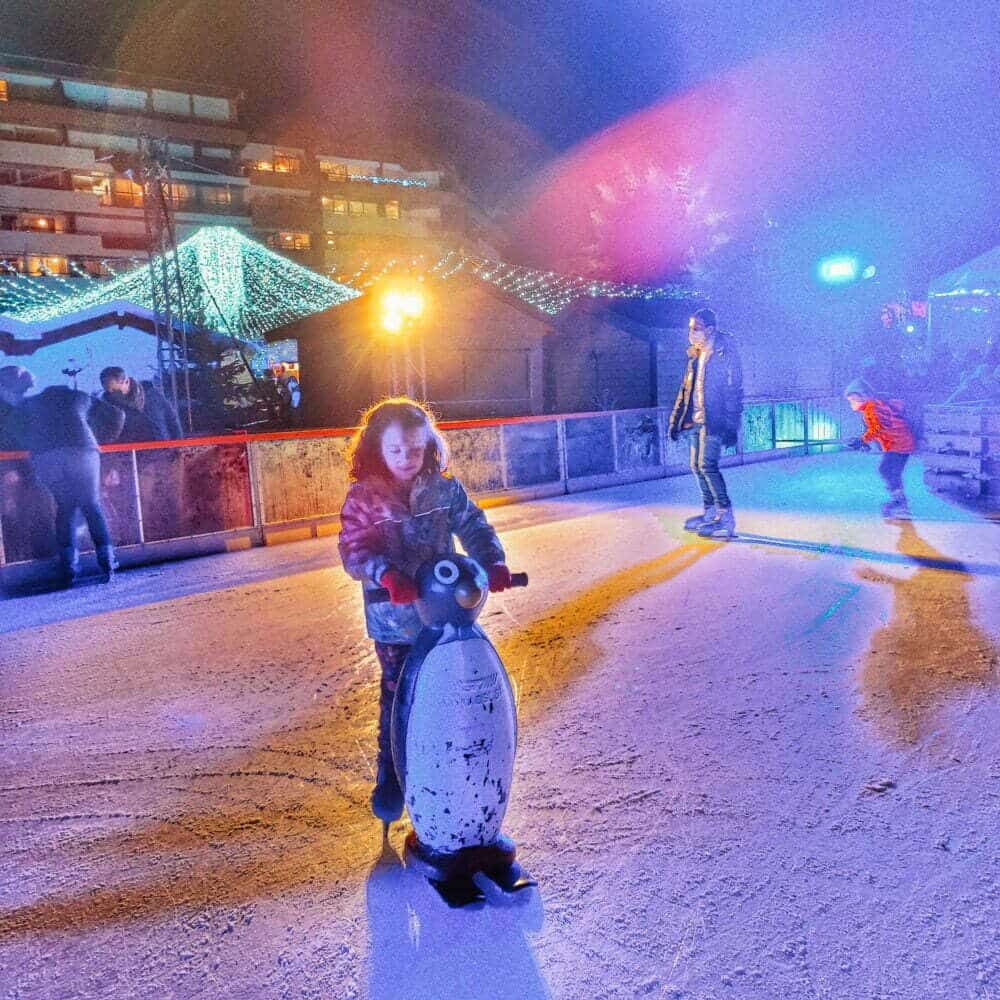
(906, 96)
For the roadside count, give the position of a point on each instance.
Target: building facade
(70, 141)
(343, 215)
(69, 155)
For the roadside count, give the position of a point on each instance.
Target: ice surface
(764, 768)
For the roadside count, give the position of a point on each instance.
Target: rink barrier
(174, 499)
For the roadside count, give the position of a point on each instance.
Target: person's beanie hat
(859, 387)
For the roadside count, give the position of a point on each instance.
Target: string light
(230, 283)
(547, 291)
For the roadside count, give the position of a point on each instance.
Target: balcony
(33, 154)
(46, 200)
(23, 241)
(115, 123)
(375, 225)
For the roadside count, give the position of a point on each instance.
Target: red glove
(402, 590)
(499, 577)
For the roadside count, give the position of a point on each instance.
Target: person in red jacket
(885, 424)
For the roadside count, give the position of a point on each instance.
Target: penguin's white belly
(460, 740)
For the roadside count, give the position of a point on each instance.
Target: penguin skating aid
(454, 737)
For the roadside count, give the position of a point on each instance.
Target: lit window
(340, 206)
(333, 171)
(42, 223)
(216, 195)
(125, 193)
(4, 91)
(287, 164)
(265, 165)
(55, 265)
(181, 194)
(290, 241)
(371, 208)
(357, 207)
(392, 209)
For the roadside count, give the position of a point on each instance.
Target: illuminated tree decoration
(231, 284)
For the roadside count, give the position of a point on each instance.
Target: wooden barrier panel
(531, 453)
(168, 499)
(637, 443)
(300, 478)
(477, 458)
(590, 446)
(195, 490)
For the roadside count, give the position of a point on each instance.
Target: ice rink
(763, 768)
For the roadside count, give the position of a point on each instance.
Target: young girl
(402, 508)
(885, 424)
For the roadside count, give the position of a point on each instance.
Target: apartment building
(341, 214)
(69, 202)
(69, 144)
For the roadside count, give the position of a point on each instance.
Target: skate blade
(459, 892)
(506, 887)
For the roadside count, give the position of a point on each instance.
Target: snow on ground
(766, 768)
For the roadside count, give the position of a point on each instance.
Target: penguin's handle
(379, 595)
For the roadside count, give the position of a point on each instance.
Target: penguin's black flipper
(459, 891)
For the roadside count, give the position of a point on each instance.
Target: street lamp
(400, 308)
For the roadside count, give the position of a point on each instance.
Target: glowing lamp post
(401, 308)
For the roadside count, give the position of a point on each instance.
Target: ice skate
(896, 510)
(700, 520)
(510, 878)
(723, 526)
(387, 796)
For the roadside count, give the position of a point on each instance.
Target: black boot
(107, 561)
(387, 796)
(69, 566)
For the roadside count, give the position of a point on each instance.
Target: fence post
(256, 492)
(563, 456)
(138, 497)
(805, 423)
(504, 478)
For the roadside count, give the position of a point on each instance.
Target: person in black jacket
(15, 381)
(148, 414)
(709, 408)
(61, 427)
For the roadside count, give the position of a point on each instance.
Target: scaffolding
(169, 305)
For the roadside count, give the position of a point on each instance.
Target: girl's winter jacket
(380, 530)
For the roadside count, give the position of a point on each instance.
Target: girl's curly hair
(364, 452)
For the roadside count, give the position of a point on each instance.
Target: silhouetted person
(148, 414)
(61, 427)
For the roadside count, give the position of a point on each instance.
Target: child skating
(885, 424)
(401, 509)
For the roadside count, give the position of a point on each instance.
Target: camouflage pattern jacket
(381, 529)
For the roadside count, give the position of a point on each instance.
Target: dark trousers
(891, 470)
(706, 449)
(391, 657)
(73, 477)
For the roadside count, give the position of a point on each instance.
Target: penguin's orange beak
(468, 595)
